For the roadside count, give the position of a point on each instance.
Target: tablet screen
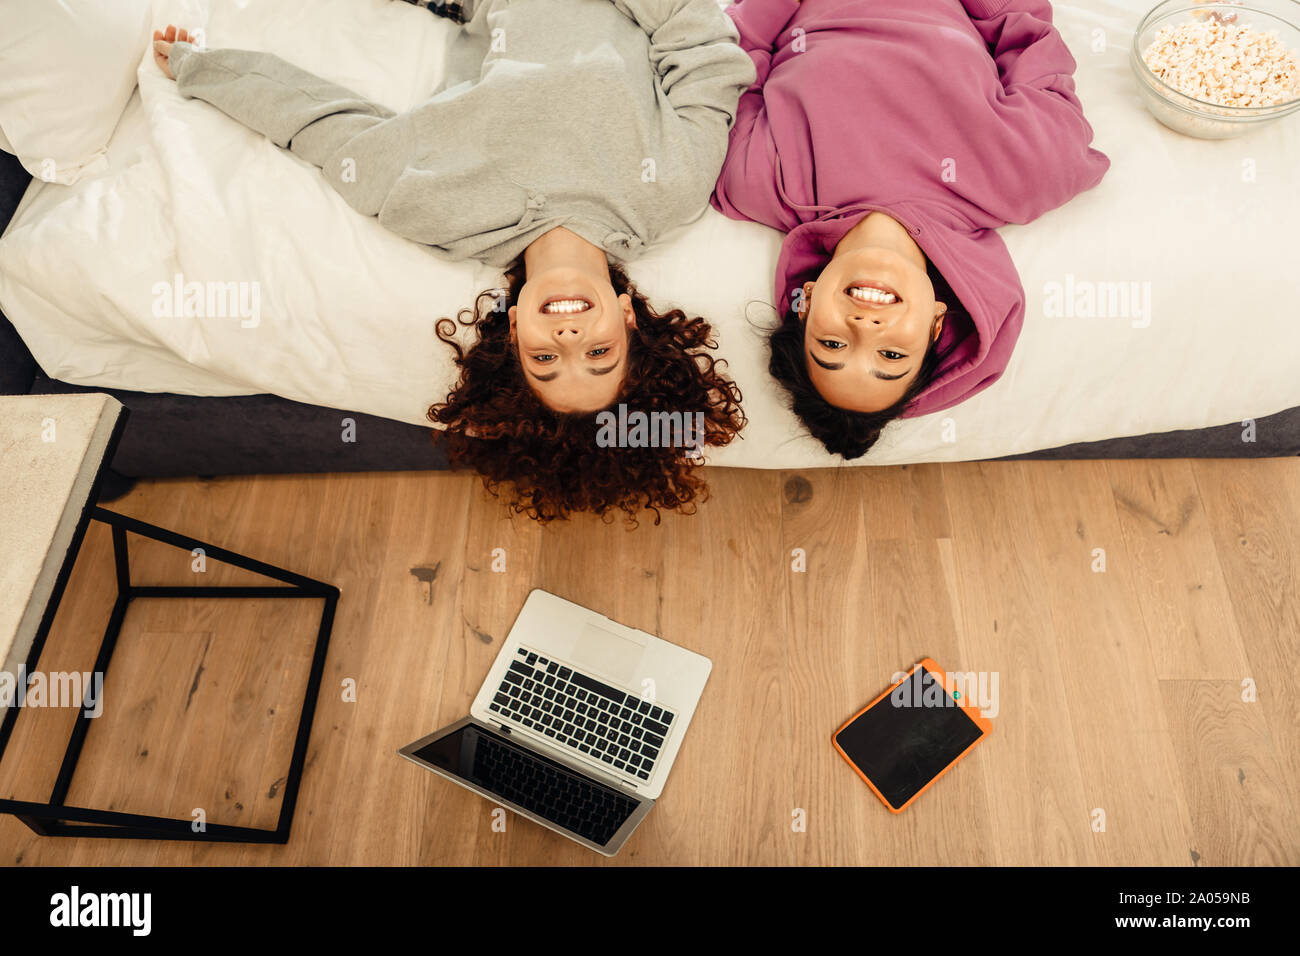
(908, 737)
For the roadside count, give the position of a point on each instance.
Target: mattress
(1164, 299)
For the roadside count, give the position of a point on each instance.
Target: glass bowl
(1200, 118)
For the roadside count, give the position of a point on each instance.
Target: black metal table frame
(56, 818)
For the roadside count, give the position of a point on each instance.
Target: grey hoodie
(609, 117)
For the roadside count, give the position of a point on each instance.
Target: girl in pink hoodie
(888, 141)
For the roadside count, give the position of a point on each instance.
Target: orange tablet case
(985, 726)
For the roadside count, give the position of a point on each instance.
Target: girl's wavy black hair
(548, 464)
(846, 433)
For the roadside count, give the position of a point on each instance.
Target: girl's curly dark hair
(551, 461)
(847, 433)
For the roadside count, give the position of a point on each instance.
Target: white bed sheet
(1205, 229)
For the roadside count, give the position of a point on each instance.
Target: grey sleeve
(289, 106)
(701, 67)
(361, 147)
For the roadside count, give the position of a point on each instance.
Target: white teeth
(867, 294)
(566, 306)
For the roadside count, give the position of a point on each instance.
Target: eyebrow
(836, 366)
(551, 376)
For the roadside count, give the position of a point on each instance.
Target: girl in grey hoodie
(567, 135)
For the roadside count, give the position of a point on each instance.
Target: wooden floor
(1127, 731)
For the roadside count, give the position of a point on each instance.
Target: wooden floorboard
(1147, 709)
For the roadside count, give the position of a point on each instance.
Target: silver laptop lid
(553, 645)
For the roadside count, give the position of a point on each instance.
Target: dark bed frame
(180, 435)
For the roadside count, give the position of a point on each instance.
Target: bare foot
(162, 47)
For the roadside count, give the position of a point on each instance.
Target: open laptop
(577, 725)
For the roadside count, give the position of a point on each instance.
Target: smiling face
(572, 335)
(869, 320)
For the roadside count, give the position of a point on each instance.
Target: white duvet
(1167, 298)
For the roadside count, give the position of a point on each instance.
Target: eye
(891, 355)
(544, 357)
(830, 344)
(597, 353)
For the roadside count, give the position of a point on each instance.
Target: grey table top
(51, 448)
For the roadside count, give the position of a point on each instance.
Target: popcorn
(1220, 62)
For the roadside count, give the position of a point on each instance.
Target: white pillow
(67, 69)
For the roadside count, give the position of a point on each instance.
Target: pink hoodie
(952, 116)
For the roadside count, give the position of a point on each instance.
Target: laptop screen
(539, 785)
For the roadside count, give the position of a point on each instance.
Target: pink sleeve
(1040, 157)
(743, 177)
(746, 187)
(760, 22)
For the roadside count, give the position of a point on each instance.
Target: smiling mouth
(873, 293)
(565, 305)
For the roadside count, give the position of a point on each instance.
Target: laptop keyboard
(588, 809)
(584, 714)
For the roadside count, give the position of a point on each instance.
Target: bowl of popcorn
(1216, 70)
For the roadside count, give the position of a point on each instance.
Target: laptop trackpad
(608, 653)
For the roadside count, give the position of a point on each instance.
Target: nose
(567, 330)
(872, 318)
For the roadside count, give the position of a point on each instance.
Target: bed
(1163, 302)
